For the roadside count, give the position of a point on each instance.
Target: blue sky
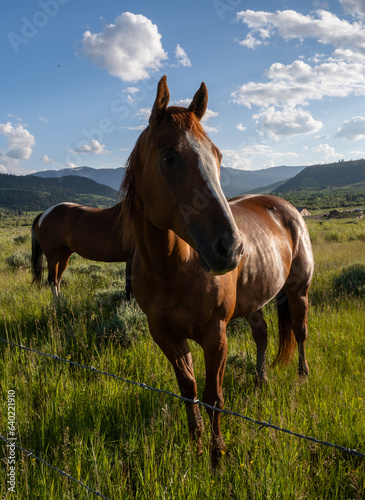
(286, 79)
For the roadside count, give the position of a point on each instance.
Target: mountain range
(233, 181)
(98, 187)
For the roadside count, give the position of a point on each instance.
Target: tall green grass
(128, 442)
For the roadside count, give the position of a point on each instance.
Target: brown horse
(200, 261)
(93, 233)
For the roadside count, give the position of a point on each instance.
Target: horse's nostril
(226, 249)
(222, 248)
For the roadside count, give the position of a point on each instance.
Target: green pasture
(128, 442)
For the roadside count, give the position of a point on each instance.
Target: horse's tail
(287, 342)
(37, 254)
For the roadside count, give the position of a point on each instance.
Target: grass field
(128, 442)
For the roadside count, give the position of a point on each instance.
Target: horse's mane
(127, 188)
(126, 193)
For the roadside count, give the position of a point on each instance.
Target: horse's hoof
(261, 380)
(218, 451)
(303, 372)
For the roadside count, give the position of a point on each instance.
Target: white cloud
(129, 49)
(298, 83)
(131, 90)
(327, 151)
(184, 103)
(19, 143)
(355, 7)
(288, 122)
(140, 127)
(352, 130)
(181, 56)
(357, 153)
(289, 87)
(47, 159)
(251, 42)
(235, 159)
(209, 129)
(42, 119)
(257, 154)
(94, 147)
(209, 114)
(144, 114)
(325, 27)
(348, 55)
(240, 127)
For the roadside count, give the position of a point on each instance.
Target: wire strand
(196, 401)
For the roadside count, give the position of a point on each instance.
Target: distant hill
(267, 189)
(37, 193)
(320, 177)
(111, 177)
(233, 181)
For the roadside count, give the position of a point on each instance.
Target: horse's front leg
(215, 355)
(178, 353)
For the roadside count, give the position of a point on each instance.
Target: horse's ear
(200, 102)
(161, 102)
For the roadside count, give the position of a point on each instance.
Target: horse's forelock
(184, 119)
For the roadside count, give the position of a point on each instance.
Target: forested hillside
(332, 175)
(36, 193)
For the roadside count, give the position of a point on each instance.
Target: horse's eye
(168, 159)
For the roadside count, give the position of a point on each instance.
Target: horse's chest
(184, 309)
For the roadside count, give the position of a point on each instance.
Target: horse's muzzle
(223, 256)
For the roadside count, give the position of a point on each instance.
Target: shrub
(127, 326)
(88, 269)
(110, 298)
(351, 280)
(19, 260)
(23, 238)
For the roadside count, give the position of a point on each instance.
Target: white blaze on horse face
(209, 171)
(49, 210)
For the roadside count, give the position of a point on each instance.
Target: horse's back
(56, 211)
(277, 247)
(272, 216)
(94, 233)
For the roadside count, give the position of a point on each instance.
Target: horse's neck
(161, 250)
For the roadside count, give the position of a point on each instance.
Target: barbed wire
(61, 472)
(262, 424)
